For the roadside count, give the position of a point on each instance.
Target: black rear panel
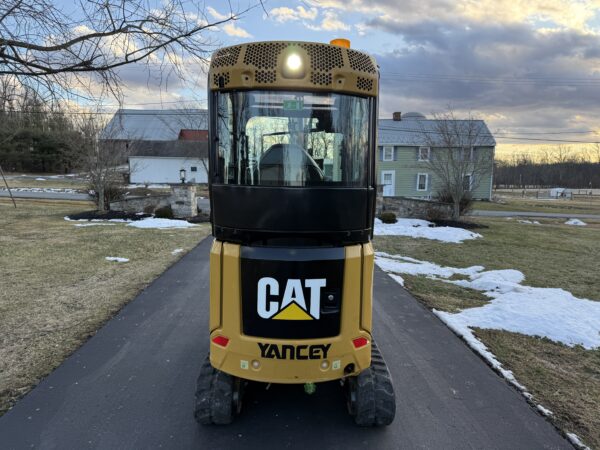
(331, 216)
(300, 295)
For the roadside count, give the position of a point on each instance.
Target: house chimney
(397, 116)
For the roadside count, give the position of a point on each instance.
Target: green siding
(407, 166)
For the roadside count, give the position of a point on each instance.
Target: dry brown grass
(563, 379)
(443, 296)
(586, 205)
(57, 289)
(61, 183)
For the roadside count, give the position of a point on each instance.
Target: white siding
(149, 169)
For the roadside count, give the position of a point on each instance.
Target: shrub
(433, 213)
(466, 203)
(388, 217)
(149, 209)
(164, 212)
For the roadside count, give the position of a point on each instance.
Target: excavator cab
(292, 141)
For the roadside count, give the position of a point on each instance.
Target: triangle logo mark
(292, 312)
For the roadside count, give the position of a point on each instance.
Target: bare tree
(53, 50)
(102, 160)
(459, 156)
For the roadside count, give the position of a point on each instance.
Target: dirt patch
(459, 224)
(200, 218)
(107, 215)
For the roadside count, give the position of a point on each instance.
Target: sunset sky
(530, 68)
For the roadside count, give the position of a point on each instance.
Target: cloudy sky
(530, 68)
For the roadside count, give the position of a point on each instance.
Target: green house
(411, 148)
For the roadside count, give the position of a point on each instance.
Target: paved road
(46, 195)
(131, 386)
(533, 214)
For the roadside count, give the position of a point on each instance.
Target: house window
(422, 181)
(467, 182)
(467, 154)
(424, 153)
(194, 169)
(388, 153)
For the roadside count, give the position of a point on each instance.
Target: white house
(159, 143)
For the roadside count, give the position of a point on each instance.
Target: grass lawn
(61, 183)
(510, 203)
(563, 379)
(57, 289)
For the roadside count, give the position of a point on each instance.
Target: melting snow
(147, 223)
(148, 186)
(576, 222)
(51, 190)
(423, 229)
(533, 222)
(549, 312)
(176, 251)
(574, 439)
(117, 259)
(153, 222)
(40, 179)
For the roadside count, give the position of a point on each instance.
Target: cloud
(330, 22)
(512, 74)
(562, 13)
(216, 14)
(232, 30)
(284, 14)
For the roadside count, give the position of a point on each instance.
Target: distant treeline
(571, 174)
(35, 137)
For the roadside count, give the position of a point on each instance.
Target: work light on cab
(293, 65)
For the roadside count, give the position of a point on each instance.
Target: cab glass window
(278, 138)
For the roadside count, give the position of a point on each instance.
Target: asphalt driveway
(131, 386)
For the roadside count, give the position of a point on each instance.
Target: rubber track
(375, 399)
(214, 396)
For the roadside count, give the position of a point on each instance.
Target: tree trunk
(456, 210)
(101, 205)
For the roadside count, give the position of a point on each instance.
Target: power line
(433, 78)
(490, 135)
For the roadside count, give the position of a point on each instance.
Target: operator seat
(288, 165)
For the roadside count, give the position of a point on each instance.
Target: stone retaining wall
(416, 208)
(139, 204)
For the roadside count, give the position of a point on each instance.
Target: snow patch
(117, 259)
(40, 179)
(148, 186)
(153, 222)
(574, 439)
(545, 411)
(418, 228)
(545, 312)
(176, 251)
(48, 190)
(532, 222)
(576, 222)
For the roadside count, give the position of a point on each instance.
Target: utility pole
(7, 187)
